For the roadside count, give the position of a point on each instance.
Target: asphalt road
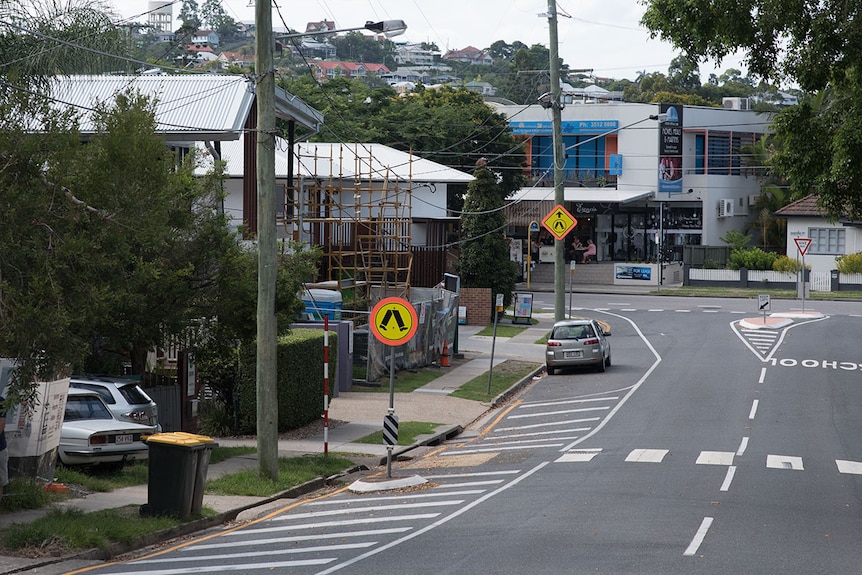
(705, 448)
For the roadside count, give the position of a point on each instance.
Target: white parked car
(91, 435)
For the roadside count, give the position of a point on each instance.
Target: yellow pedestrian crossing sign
(394, 321)
(559, 222)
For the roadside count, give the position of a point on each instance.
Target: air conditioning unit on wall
(725, 208)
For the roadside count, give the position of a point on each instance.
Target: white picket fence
(819, 281)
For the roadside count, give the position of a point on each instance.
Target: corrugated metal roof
(188, 107)
(349, 161)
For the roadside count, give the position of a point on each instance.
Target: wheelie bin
(177, 473)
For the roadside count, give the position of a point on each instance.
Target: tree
(358, 47)
(214, 16)
(484, 258)
(451, 126)
(820, 49)
(45, 37)
(684, 74)
(190, 17)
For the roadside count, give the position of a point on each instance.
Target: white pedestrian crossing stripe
(851, 467)
(715, 458)
(578, 456)
(647, 455)
(784, 462)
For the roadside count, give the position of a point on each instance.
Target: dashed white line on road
(698, 537)
(743, 445)
(753, 411)
(728, 479)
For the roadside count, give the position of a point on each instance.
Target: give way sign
(802, 244)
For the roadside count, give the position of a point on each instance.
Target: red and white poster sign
(802, 244)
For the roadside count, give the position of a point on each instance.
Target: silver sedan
(578, 342)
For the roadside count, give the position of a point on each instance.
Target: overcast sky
(602, 35)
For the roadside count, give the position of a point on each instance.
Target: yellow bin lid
(180, 438)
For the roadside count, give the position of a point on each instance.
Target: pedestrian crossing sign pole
(393, 322)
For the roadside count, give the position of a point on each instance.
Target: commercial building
(640, 178)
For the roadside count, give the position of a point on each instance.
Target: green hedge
(299, 380)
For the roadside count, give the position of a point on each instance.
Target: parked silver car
(91, 435)
(576, 342)
(124, 397)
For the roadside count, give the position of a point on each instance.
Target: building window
(700, 154)
(827, 241)
(720, 153)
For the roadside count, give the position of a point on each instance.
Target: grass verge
(292, 471)
(503, 377)
(407, 432)
(406, 380)
(66, 530)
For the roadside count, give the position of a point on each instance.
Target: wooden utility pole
(267, 404)
(559, 162)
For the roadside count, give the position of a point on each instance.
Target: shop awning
(585, 195)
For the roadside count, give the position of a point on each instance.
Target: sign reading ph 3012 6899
(394, 321)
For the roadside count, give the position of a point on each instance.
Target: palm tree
(41, 38)
(773, 195)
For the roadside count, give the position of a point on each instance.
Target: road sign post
(764, 304)
(393, 323)
(802, 244)
(498, 309)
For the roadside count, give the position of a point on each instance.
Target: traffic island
(381, 483)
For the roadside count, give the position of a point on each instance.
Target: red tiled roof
(807, 206)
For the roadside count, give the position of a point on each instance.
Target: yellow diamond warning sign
(394, 321)
(559, 222)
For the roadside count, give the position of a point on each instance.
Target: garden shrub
(751, 258)
(787, 264)
(299, 380)
(850, 263)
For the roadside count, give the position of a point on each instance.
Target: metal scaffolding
(361, 218)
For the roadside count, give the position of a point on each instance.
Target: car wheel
(608, 361)
(549, 369)
(602, 365)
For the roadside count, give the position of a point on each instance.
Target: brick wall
(478, 302)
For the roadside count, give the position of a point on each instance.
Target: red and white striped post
(325, 384)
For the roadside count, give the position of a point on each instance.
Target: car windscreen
(78, 408)
(103, 391)
(134, 394)
(572, 332)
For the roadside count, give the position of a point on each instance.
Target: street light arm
(389, 28)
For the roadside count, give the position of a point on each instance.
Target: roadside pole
(497, 309)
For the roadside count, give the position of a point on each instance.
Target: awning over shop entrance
(586, 195)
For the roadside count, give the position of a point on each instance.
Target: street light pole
(559, 162)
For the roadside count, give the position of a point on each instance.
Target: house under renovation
(379, 214)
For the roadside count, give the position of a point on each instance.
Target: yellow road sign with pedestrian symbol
(394, 321)
(559, 222)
